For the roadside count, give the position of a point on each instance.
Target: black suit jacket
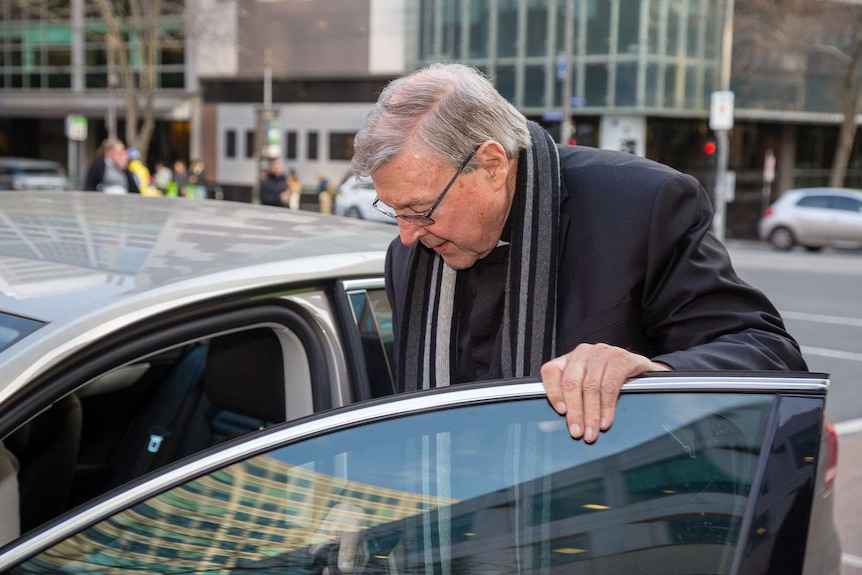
(640, 269)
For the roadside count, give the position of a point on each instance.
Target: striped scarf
(427, 338)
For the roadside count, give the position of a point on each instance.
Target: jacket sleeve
(696, 308)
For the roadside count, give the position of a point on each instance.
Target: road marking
(851, 560)
(848, 427)
(818, 318)
(833, 353)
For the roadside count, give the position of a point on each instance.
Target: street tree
(133, 27)
(803, 55)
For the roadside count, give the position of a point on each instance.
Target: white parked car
(354, 200)
(814, 218)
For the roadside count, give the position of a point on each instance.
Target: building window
(230, 144)
(311, 152)
(341, 145)
(290, 145)
(249, 144)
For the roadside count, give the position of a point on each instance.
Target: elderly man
(518, 257)
(109, 173)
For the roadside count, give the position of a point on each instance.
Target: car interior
(145, 414)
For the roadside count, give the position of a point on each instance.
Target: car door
(698, 474)
(814, 219)
(847, 228)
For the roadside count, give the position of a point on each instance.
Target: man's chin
(459, 261)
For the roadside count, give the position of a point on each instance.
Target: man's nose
(409, 233)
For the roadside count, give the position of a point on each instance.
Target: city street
(820, 297)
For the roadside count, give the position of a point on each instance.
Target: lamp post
(568, 43)
(722, 180)
(111, 119)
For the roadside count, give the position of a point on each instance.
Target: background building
(241, 79)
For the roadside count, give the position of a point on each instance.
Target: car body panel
(816, 217)
(681, 483)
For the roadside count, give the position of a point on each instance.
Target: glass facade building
(643, 56)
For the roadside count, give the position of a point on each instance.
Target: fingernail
(604, 423)
(590, 435)
(575, 430)
(345, 566)
(560, 407)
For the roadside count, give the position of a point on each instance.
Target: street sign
(562, 66)
(727, 186)
(76, 127)
(769, 167)
(721, 111)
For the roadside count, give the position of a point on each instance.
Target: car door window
(847, 204)
(494, 487)
(373, 317)
(814, 202)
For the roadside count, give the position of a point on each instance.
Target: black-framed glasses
(424, 219)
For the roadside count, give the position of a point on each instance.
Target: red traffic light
(709, 147)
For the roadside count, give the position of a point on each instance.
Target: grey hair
(447, 109)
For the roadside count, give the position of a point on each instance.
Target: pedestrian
(273, 186)
(142, 174)
(294, 186)
(324, 193)
(162, 177)
(518, 257)
(197, 187)
(109, 172)
(180, 179)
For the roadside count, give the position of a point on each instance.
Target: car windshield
(13, 328)
(39, 171)
(497, 487)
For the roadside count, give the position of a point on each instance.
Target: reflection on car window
(13, 328)
(373, 317)
(484, 488)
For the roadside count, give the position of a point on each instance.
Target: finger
(552, 373)
(592, 384)
(572, 387)
(615, 377)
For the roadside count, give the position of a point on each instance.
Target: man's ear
(493, 160)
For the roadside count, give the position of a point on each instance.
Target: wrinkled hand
(585, 383)
(342, 524)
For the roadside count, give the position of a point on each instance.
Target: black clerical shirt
(480, 317)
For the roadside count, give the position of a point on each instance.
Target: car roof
(825, 190)
(64, 253)
(81, 261)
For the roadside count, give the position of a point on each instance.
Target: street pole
(722, 136)
(263, 120)
(569, 41)
(112, 89)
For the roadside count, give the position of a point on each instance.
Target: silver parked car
(198, 386)
(354, 200)
(22, 174)
(814, 218)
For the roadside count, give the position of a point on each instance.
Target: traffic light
(709, 149)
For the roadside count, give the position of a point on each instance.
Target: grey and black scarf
(427, 340)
